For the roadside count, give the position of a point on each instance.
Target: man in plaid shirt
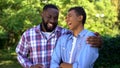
(36, 45)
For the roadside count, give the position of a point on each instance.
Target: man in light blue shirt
(72, 48)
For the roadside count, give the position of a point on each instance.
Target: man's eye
(69, 15)
(49, 17)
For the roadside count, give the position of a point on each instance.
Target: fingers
(97, 34)
(37, 66)
(40, 66)
(95, 41)
(92, 39)
(66, 65)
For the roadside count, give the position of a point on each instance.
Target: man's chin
(49, 30)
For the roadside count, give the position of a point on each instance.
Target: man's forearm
(65, 65)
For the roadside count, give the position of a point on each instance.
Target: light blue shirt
(83, 55)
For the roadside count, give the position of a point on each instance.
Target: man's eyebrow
(69, 14)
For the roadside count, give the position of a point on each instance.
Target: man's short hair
(49, 6)
(79, 11)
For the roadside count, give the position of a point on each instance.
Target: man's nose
(66, 18)
(52, 20)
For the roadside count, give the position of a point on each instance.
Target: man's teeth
(50, 24)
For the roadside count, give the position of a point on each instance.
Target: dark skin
(95, 40)
(65, 65)
(49, 19)
(37, 66)
(49, 23)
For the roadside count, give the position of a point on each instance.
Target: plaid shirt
(35, 48)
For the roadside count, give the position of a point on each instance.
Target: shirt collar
(81, 34)
(57, 29)
(37, 28)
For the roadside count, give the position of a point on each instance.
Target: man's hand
(37, 66)
(95, 41)
(65, 65)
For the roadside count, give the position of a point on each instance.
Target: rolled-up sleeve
(22, 52)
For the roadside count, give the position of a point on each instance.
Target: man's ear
(80, 18)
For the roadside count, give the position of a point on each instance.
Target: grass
(8, 59)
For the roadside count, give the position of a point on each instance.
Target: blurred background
(103, 16)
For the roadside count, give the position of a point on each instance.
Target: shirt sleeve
(56, 56)
(90, 57)
(22, 52)
(87, 56)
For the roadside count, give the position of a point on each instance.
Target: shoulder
(62, 30)
(89, 33)
(64, 37)
(30, 31)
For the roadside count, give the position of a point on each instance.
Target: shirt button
(63, 48)
(70, 53)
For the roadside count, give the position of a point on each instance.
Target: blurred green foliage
(16, 16)
(109, 56)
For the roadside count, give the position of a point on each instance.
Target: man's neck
(78, 30)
